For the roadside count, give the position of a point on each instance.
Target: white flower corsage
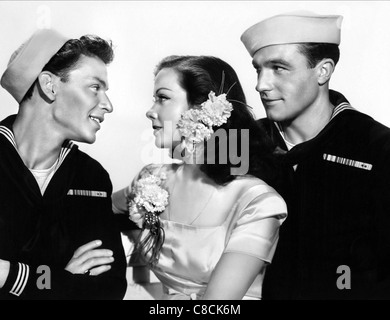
(196, 125)
(149, 200)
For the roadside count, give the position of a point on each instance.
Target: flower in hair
(216, 110)
(196, 125)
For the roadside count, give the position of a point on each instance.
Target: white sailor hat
(298, 27)
(27, 62)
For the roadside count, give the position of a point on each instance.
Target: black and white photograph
(194, 150)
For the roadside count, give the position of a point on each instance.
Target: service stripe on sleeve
(21, 279)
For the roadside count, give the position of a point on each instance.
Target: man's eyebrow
(273, 61)
(278, 61)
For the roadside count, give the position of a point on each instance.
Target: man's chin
(89, 140)
(275, 117)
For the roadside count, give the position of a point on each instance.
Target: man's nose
(106, 104)
(264, 81)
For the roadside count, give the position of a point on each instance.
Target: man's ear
(325, 71)
(47, 85)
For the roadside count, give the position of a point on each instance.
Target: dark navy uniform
(335, 243)
(39, 234)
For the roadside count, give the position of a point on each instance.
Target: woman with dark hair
(208, 225)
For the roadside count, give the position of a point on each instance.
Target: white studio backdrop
(143, 32)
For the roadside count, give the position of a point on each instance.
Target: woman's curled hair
(198, 75)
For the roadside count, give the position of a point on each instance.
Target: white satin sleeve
(119, 200)
(255, 231)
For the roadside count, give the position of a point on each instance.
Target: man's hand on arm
(89, 259)
(4, 271)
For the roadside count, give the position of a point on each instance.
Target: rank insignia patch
(347, 162)
(87, 193)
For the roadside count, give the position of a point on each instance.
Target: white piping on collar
(65, 149)
(336, 111)
(341, 107)
(9, 135)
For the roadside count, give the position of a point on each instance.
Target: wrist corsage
(148, 202)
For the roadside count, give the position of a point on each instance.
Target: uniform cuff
(17, 278)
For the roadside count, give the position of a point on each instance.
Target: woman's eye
(95, 87)
(160, 99)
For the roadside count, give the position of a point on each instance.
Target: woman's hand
(88, 259)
